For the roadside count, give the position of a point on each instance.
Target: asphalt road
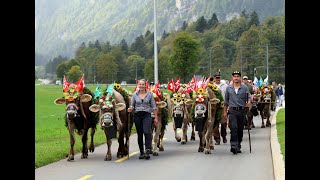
(176, 162)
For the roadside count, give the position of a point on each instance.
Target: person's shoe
(141, 156)
(147, 156)
(234, 150)
(224, 139)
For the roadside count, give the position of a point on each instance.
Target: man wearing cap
(237, 98)
(223, 128)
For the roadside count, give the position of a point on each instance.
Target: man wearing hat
(223, 129)
(237, 98)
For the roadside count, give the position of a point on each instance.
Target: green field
(51, 135)
(281, 130)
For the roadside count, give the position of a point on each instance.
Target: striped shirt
(148, 104)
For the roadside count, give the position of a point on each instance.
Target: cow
(78, 117)
(114, 118)
(266, 97)
(162, 115)
(181, 114)
(204, 108)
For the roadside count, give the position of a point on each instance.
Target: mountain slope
(62, 25)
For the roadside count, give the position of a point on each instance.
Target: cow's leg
(72, 140)
(193, 134)
(208, 138)
(91, 148)
(161, 140)
(156, 138)
(216, 135)
(184, 133)
(268, 118)
(109, 143)
(176, 135)
(262, 115)
(120, 152)
(84, 144)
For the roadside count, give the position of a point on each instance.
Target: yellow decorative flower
(118, 86)
(71, 90)
(200, 91)
(175, 95)
(164, 98)
(222, 104)
(183, 99)
(179, 96)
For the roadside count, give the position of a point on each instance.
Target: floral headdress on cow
(72, 91)
(106, 101)
(177, 97)
(199, 89)
(266, 89)
(157, 94)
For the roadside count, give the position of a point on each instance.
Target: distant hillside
(62, 25)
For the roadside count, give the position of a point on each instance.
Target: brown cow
(266, 97)
(78, 117)
(112, 108)
(204, 101)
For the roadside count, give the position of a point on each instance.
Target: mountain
(62, 25)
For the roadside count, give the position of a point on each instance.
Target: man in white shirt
(222, 86)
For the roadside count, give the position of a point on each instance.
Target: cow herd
(198, 104)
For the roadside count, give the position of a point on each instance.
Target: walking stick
(248, 123)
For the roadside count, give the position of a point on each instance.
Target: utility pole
(210, 61)
(267, 63)
(241, 58)
(155, 43)
(136, 71)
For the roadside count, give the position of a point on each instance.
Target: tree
(74, 74)
(72, 62)
(254, 19)
(184, 26)
(244, 14)
(185, 55)
(213, 22)
(164, 34)
(97, 45)
(82, 47)
(201, 24)
(107, 69)
(135, 66)
(62, 69)
(124, 47)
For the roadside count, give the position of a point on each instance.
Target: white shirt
(222, 87)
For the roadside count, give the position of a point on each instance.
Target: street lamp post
(155, 43)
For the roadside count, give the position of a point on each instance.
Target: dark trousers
(236, 123)
(143, 123)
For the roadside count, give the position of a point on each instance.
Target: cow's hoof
(207, 151)
(161, 148)
(91, 149)
(211, 147)
(253, 126)
(119, 155)
(217, 142)
(70, 158)
(193, 138)
(178, 139)
(155, 153)
(201, 149)
(108, 157)
(183, 142)
(84, 156)
(263, 126)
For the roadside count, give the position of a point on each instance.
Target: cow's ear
(214, 101)
(94, 108)
(120, 106)
(61, 100)
(85, 98)
(189, 102)
(161, 104)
